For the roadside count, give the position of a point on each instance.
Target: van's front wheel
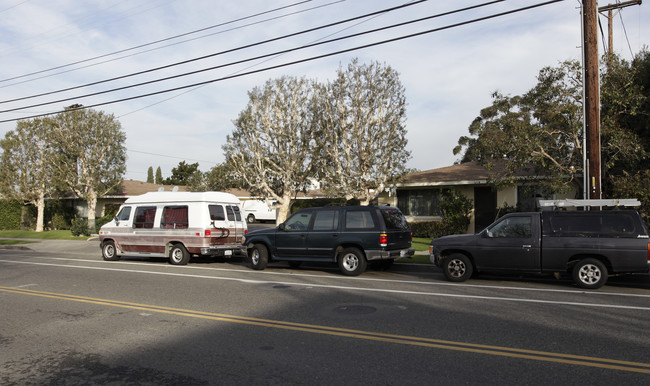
(109, 253)
(178, 255)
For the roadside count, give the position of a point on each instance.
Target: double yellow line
(578, 360)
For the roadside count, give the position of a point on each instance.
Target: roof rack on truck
(569, 203)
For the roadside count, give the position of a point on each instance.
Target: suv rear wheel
(352, 262)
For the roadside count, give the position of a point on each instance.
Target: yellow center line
(579, 360)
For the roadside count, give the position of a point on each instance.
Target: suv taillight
(383, 240)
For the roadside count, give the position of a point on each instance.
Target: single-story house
(418, 194)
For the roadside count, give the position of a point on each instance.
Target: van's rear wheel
(352, 262)
(178, 255)
(590, 274)
(259, 256)
(109, 253)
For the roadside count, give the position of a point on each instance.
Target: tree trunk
(283, 209)
(92, 205)
(40, 206)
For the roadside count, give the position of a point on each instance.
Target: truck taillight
(383, 240)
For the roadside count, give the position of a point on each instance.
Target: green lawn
(47, 235)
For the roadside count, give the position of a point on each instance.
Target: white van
(175, 225)
(257, 210)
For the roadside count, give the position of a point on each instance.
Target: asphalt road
(68, 318)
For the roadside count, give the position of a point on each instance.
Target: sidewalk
(89, 246)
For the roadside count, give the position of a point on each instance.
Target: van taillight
(383, 240)
(208, 233)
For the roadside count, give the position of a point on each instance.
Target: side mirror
(281, 227)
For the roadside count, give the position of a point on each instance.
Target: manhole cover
(355, 310)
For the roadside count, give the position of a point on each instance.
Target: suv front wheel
(352, 262)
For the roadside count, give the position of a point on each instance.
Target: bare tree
(363, 142)
(26, 166)
(270, 147)
(91, 157)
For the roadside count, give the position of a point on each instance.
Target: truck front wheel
(590, 274)
(457, 267)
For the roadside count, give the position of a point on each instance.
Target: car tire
(457, 267)
(178, 255)
(259, 256)
(590, 273)
(250, 218)
(109, 252)
(352, 262)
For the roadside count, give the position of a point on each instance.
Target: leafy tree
(219, 178)
(363, 138)
(271, 145)
(159, 179)
(26, 168)
(538, 133)
(182, 174)
(150, 175)
(625, 128)
(90, 157)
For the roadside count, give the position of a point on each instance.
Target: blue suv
(351, 236)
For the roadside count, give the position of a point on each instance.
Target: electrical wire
(154, 42)
(221, 52)
(249, 59)
(391, 40)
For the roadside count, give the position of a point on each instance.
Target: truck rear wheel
(178, 255)
(590, 274)
(457, 267)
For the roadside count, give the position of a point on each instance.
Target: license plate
(227, 252)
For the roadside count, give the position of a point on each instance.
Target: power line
(403, 37)
(157, 41)
(260, 56)
(220, 52)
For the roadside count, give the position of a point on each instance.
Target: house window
(419, 202)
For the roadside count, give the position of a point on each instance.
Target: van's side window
(144, 216)
(125, 214)
(217, 213)
(233, 213)
(174, 217)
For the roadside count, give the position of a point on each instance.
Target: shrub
(59, 222)
(79, 227)
(10, 214)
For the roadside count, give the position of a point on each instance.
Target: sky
(449, 74)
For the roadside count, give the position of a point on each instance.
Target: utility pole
(609, 8)
(592, 99)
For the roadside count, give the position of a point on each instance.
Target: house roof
(468, 173)
(465, 173)
(132, 188)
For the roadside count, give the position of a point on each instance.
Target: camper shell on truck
(175, 225)
(585, 245)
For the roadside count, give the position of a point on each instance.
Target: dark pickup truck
(587, 245)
